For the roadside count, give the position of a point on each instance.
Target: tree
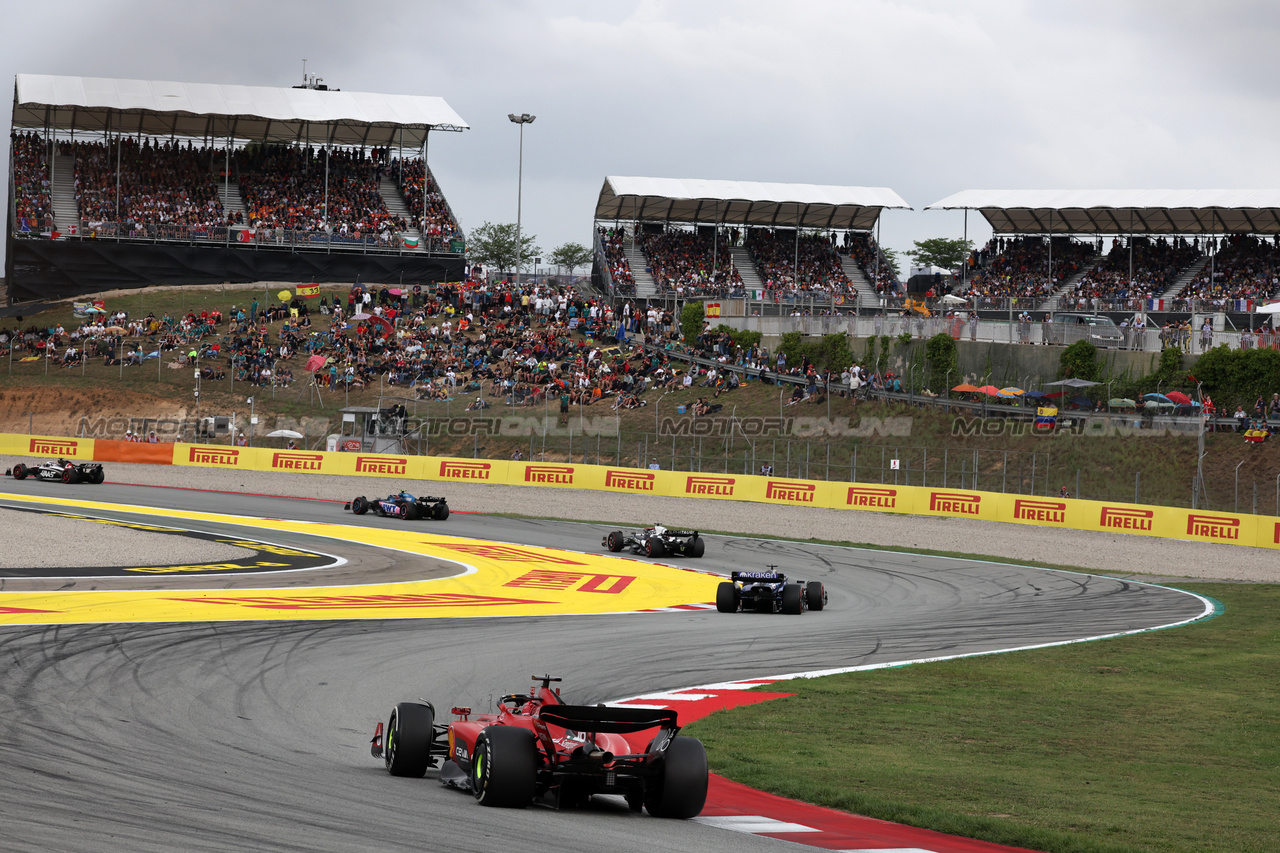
(571, 255)
(940, 252)
(495, 246)
(1079, 361)
(691, 320)
(891, 259)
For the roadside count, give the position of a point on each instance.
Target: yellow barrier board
(1068, 513)
(45, 446)
(493, 579)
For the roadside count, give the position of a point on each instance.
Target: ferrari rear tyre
(727, 597)
(441, 511)
(816, 595)
(504, 767)
(792, 599)
(410, 731)
(681, 789)
(653, 547)
(19, 472)
(696, 547)
(97, 477)
(411, 511)
(615, 540)
(360, 505)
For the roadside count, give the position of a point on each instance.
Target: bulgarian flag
(410, 242)
(306, 290)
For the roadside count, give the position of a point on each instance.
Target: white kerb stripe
(753, 824)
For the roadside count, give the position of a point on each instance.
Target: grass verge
(1164, 741)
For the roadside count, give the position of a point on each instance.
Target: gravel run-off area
(58, 541)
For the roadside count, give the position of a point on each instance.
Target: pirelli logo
(201, 455)
(634, 481)
(1120, 518)
(54, 447)
(777, 490)
(1213, 526)
(954, 503)
(553, 475)
(391, 465)
(872, 498)
(285, 461)
(465, 470)
(1050, 511)
(711, 486)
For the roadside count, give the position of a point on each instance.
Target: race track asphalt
(254, 735)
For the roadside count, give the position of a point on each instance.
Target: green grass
(1165, 741)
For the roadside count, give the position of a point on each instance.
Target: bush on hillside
(1080, 361)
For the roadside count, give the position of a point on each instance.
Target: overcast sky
(926, 98)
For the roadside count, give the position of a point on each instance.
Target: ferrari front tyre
(441, 511)
(411, 511)
(816, 595)
(681, 788)
(792, 599)
(653, 547)
(727, 597)
(615, 541)
(19, 472)
(504, 767)
(410, 732)
(360, 505)
(696, 547)
(97, 477)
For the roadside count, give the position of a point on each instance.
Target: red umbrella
(1179, 398)
(989, 390)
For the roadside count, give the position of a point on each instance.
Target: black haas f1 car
(768, 592)
(60, 470)
(401, 505)
(538, 749)
(657, 541)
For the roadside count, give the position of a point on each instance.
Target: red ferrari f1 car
(537, 748)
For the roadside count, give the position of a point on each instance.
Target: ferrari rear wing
(604, 718)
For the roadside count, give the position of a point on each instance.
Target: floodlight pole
(522, 120)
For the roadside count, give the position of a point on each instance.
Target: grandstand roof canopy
(744, 203)
(258, 113)
(1122, 211)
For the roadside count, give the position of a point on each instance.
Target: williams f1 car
(657, 541)
(59, 470)
(769, 592)
(536, 748)
(401, 505)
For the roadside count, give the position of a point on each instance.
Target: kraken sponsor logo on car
(553, 475)
(54, 446)
(710, 486)
(631, 481)
(784, 492)
(284, 460)
(1124, 518)
(863, 496)
(450, 470)
(954, 503)
(1213, 526)
(387, 465)
(204, 455)
(1052, 512)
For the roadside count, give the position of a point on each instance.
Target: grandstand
(1186, 250)
(125, 183)
(671, 238)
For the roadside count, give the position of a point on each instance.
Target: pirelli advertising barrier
(1166, 522)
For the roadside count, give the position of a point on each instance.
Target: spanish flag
(305, 290)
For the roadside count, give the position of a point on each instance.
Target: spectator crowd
(33, 210)
(160, 184)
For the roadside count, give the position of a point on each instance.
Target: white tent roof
(1122, 211)
(744, 203)
(245, 112)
